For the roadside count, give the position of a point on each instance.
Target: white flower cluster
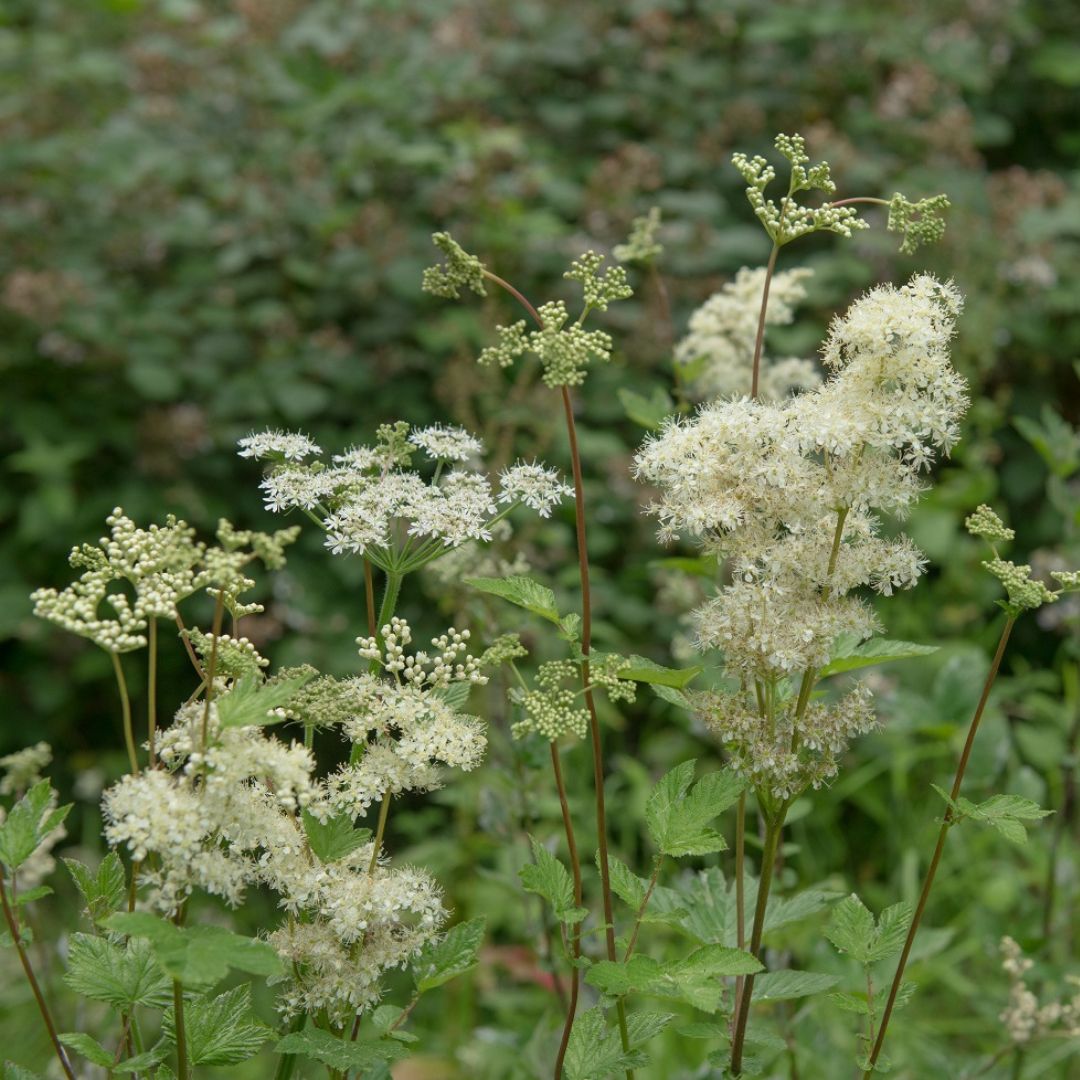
(718, 350)
(232, 816)
(790, 493)
(452, 664)
(406, 734)
(290, 445)
(371, 501)
(1024, 1018)
(23, 768)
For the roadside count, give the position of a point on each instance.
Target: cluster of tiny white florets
(290, 445)
(538, 487)
(452, 663)
(135, 575)
(226, 812)
(718, 350)
(407, 733)
(791, 492)
(371, 501)
(1024, 1018)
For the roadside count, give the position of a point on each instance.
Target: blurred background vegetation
(213, 218)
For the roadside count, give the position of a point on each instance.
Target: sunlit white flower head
(538, 487)
(446, 443)
(291, 445)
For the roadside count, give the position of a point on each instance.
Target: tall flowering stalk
(1023, 594)
(565, 349)
(790, 494)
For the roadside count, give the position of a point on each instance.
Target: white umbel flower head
(290, 445)
(446, 443)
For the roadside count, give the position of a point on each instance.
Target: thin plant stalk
(182, 1069)
(586, 644)
(575, 931)
(188, 647)
(151, 692)
(369, 598)
(211, 667)
(639, 916)
(946, 823)
(759, 340)
(31, 978)
(740, 890)
(774, 827)
(125, 706)
(380, 832)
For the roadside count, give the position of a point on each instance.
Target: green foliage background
(213, 218)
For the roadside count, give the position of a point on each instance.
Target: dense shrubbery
(215, 218)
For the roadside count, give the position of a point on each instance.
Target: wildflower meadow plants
(789, 480)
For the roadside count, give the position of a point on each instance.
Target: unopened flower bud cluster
(451, 664)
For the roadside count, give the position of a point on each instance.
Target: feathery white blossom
(291, 445)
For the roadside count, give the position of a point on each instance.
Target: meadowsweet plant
(265, 800)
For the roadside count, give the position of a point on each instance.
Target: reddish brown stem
(31, 978)
(369, 598)
(946, 822)
(575, 947)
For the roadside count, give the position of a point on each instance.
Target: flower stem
(151, 692)
(125, 705)
(774, 827)
(759, 341)
(590, 704)
(287, 1063)
(182, 1070)
(380, 832)
(369, 598)
(640, 915)
(211, 667)
(31, 978)
(575, 933)
(740, 890)
(946, 822)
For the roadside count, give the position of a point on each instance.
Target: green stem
(287, 1062)
(774, 827)
(211, 667)
(31, 978)
(380, 832)
(125, 705)
(183, 1072)
(640, 915)
(740, 883)
(935, 860)
(389, 600)
(151, 692)
(369, 599)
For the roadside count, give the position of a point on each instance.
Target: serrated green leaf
(335, 838)
(456, 695)
(1002, 812)
(782, 985)
(595, 1050)
(695, 979)
(250, 702)
(120, 975)
(852, 929)
(784, 910)
(221, 1030)
(87, 1047)
(854, 1003)
(677, 814)
(625, 884)
(850, 656)
(103, 891)
(643, 670)
(340, 1053)
(10, 1071)
(642, 1026)
(673, 697)
(197, 955)
(28, 823)
(450, 957)
(548, 877)
(520, 590)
